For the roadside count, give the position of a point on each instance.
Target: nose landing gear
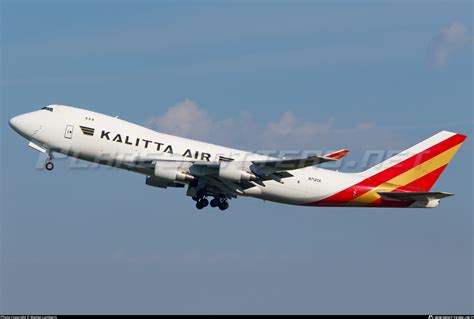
(49, 164)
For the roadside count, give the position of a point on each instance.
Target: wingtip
(337, 155)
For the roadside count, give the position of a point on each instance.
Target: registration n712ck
(215, 174)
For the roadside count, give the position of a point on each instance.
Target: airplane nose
(22, 124)
(13, 122)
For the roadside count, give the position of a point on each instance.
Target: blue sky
(328, 74)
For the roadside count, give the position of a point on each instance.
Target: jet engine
(173, 171)
(162, 183)
(235, 172)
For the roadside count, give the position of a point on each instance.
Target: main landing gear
(223, 205)
(215, 202)
(220, 202)
(49, 164)
(201, 201)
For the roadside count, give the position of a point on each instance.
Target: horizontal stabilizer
(417, 196)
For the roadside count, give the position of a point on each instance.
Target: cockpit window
(47, 108)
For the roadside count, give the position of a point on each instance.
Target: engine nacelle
(162, 183)
(235, 172)
(173, 172)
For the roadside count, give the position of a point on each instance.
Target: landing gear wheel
(202, 203)
(199, 194)
(199, 205)
(224, 205)
(215, 202)
(49, 166)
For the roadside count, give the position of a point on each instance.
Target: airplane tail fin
(418, 167)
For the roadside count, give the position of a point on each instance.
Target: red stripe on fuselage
(381, 202)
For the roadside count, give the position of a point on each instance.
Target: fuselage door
(69, 130)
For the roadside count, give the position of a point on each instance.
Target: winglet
(337, 155)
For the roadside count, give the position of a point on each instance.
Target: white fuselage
(108, 140)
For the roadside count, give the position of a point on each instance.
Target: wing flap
(268, 167)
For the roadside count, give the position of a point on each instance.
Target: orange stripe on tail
(415, 170)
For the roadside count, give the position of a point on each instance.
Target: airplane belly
(307, 185)
(274, 191)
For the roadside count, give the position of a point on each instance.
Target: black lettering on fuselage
(158, 145)
(196, 154)
(146, 142)
(205, 156)
(168, 149)
(106, 134)
(118, 138)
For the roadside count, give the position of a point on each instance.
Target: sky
(256, 75)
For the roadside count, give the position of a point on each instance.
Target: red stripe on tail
(422, 184)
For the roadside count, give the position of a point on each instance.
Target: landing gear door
(68, 132)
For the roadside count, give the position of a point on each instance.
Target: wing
(225, 179)
(291, 164)
(257, 170)
(268, 167)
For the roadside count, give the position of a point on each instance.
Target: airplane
(221, 173)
